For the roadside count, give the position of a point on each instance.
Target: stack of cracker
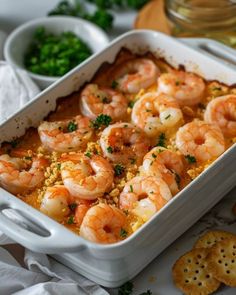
(212, 261)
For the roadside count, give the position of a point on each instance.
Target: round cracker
(222, 261)
(191, 274)
(210, 238)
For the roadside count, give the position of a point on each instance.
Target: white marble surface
(157, 276)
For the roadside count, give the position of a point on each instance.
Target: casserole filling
(114, 153)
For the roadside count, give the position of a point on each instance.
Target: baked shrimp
(96, 100)
(222, 112)
(55, 202)
(65, 136)
(187, 88)
(136, 74)
(201, 140)
(103, 224)
(155, 113)
(124, 143)
(144, 196)
(86, 177)
(21, 174)
(164, 163)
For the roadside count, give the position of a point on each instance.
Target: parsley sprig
(100, 121)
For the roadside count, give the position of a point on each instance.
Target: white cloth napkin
(16, 89)
(41, 275)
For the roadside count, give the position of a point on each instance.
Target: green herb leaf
(28, 158)
(191, 159)
(70, 220)
(132, 161)
(14, 143)
(162, 139)
(114, 84)
(72, 127)
(105, 100)
(123, 233)
(88, 154)
(154, 156)
(177, 178)
(126, 289)
(72, 206)
(131, 104)
(54, 55)
(101, 120)
(131, 188)
(119, 170)
(110, 150)
(167, 117)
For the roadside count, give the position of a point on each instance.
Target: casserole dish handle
(213, 49)
(22, 223)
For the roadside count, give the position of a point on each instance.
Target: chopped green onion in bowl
(54, 55)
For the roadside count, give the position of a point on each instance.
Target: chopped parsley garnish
(154, 156)
(201, 106)
(110, 150)
(72, 127)
(177, 178)
(162, 139)
(191, 159)
(167, 117)
(58, 166)
(216, 88)
(114, 84)
(132, 161)
(119, 170)
(131, 104)
(123, 233)
(131, 188)
(70, 220)
(101, 120)
(88, 154)
(177, 83)
(14, 143)
(72, 206)
(28, 158)
(126, 289)
(105, 100)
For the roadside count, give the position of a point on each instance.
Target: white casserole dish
(112, 265)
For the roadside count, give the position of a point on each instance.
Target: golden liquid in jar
(214, 19)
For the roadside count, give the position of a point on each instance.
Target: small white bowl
(18, 41)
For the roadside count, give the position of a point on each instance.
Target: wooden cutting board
(152, 16)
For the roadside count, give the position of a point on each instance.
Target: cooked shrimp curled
(222, 112)
(55, 202)
(166, 164)
(18, 176)
(202, 140)
(124, 143)
(65, 136)
(86, 177)
(144, 196)
(154, 113)
(103, 224)
(186, 87)
(96, 100)
(136, 74)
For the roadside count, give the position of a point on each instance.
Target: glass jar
(203, 18)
